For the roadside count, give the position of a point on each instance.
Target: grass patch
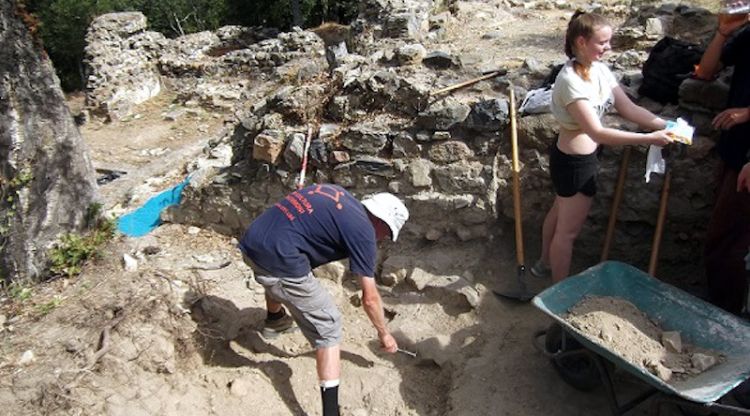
(73, 250)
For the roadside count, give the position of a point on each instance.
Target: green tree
(280, 13)
(63, 28)
(179, 17)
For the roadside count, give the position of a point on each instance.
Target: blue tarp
(141, 221)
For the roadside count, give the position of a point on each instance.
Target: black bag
(669, 63)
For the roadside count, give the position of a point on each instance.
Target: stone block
(405, 146)
(395, 269)
(443, 116)
(449, 151)
(340, 156)
(460, 177)
(295, 149)
(365, 139)
(488, 115)
(702, 362)
(410, 54)
(268, 146)
(419, 278)
(672, 341)
(333, 271)
(419, 173)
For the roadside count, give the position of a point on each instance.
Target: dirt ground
(179, 333)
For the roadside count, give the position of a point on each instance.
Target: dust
(627, 331)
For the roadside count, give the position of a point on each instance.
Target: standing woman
(584, 89)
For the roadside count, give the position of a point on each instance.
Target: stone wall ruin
(377, 127)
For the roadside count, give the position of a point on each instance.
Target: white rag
(654, 162)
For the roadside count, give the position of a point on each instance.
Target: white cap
(388, 208)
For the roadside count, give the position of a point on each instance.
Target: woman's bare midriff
(575, 142)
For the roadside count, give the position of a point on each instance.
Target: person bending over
(310, 227)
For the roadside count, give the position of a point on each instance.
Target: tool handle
(616, 203)
(660, 223)
(306, 148)
(413, 354)
(516, 179)
(469, 82)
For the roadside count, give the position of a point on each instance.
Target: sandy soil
(179, 334)
(621, 327)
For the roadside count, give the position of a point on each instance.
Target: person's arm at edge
(743, 178)
(372, 303)
(584, 115)
(710, 62)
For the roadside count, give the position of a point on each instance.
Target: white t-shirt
(569, 87)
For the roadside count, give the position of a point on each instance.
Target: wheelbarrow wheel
(574, 364)
(741, 393)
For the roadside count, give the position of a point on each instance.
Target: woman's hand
(658, 138)
(731, 117)
(743, 179)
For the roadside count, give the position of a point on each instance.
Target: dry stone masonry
(376, 126)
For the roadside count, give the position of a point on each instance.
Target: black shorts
(572, 174)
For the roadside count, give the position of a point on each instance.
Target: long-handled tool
(660, 223)
(485, 75)
(616, 203)
(521, 293)
(306, 148)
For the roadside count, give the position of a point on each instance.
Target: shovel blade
(514, 294)
(520, 292)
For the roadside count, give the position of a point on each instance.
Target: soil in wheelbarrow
(621, 327)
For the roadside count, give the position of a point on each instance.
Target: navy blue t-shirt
(313, 226)
(734, 143)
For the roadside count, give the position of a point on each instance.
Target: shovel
(615, 203)
(520, 292)
(485, 75)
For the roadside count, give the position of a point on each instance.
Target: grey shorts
(311, 306)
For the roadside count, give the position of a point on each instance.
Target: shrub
(73, 250)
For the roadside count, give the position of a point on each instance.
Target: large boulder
(46, 176)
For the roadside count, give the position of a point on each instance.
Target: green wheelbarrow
(584, 363)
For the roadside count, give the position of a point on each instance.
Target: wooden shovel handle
(616, 203)
(516, 180)
(472, 81)
(660, 223)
